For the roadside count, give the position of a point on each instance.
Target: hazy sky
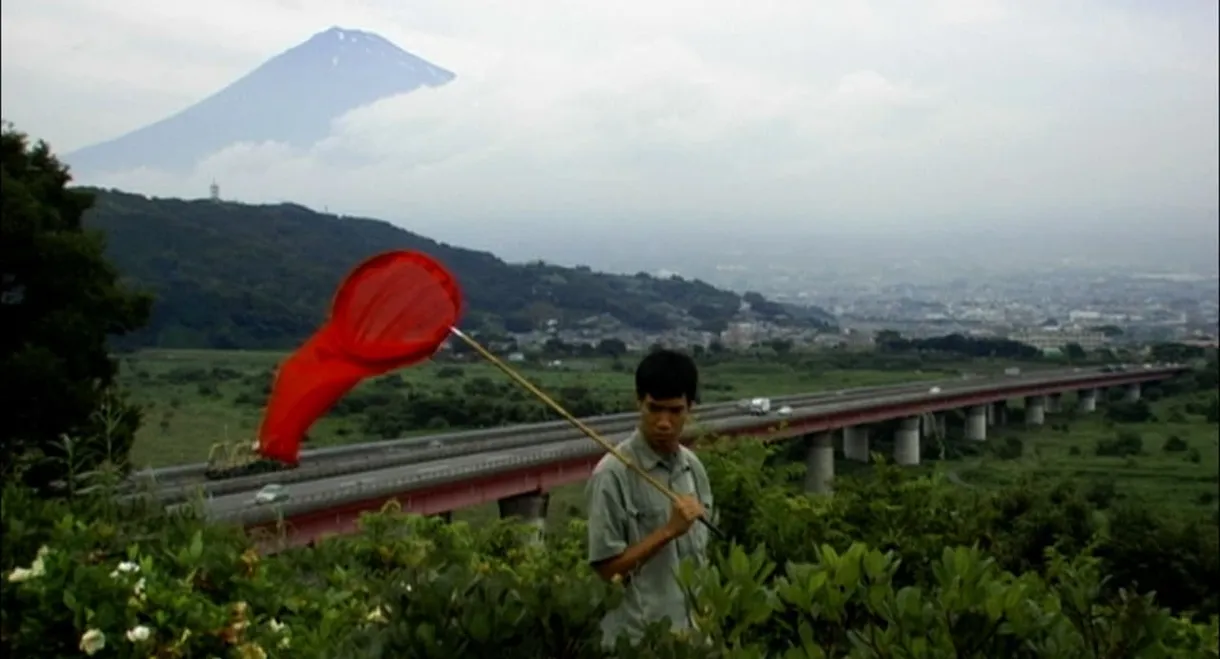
(885, 115)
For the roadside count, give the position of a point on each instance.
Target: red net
(393, 310)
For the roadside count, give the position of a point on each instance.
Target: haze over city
(685, 132)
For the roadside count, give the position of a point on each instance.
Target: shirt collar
(648, 458)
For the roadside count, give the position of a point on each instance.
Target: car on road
(270, 494)
(784, 411)
(934, 390)
(760, 406)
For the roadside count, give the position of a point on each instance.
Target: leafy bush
(1126, 443)
(1174, 444)
(412, 587)
(1134, 412)
(1009, 448)
(894, 565)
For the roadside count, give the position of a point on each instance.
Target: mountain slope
(292, 98)
(235, 275)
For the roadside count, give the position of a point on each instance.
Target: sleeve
(607, 516)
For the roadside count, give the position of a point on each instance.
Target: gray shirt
(623, 509)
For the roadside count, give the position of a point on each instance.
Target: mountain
(292, 98)
(230, 275)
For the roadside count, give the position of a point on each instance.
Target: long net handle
(580, 425)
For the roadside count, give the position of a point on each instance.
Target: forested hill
(230, 275)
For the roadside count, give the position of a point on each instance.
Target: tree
(612, 347)
(60, 299)
(1074, 352)
(780, 346)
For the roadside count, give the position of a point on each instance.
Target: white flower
(251, 651)
(36, 569)
(377, 615)
(276, 625)
(126, 567)
(138, 633)
(20, 574)
(139, 587)
(92, 641)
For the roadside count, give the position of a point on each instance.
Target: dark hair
(667, 374)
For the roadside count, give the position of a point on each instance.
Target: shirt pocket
(644, 519)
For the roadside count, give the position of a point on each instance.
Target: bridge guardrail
(578, 448)
(176, 493)
(456, 438)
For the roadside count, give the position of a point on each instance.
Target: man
(635, 532)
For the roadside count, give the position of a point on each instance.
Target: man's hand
(686, 511)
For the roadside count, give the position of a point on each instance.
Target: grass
(189, 395)
(1066, 448)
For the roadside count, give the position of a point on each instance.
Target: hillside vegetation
(229, 275)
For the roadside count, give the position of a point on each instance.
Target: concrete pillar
(1054, 403)
(855, 443)
(976, 423)
(990, 415)
(1035, 410)
(906, 441)
(1132, 393)
(529, 508)
(1086, 400)
(820, 464)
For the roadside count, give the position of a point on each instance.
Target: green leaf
(196, 549)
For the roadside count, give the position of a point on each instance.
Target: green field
(193, 399)
(1182, 478)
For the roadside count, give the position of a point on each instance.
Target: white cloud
(781, 112)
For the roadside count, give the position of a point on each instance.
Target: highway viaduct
(518, 471)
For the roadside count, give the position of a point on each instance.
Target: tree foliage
(60, 300)
(230, 275)
(959, 344)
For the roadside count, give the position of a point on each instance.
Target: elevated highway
(517, 466)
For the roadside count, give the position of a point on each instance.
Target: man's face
(662, 421)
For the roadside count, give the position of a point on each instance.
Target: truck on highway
(760, 406)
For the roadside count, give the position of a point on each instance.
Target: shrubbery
(1126, 443)
(891, 566)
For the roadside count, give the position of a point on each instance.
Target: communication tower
(214, 191)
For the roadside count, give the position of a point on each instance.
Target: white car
(784, 411)
(934, 390)
(270, 494)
